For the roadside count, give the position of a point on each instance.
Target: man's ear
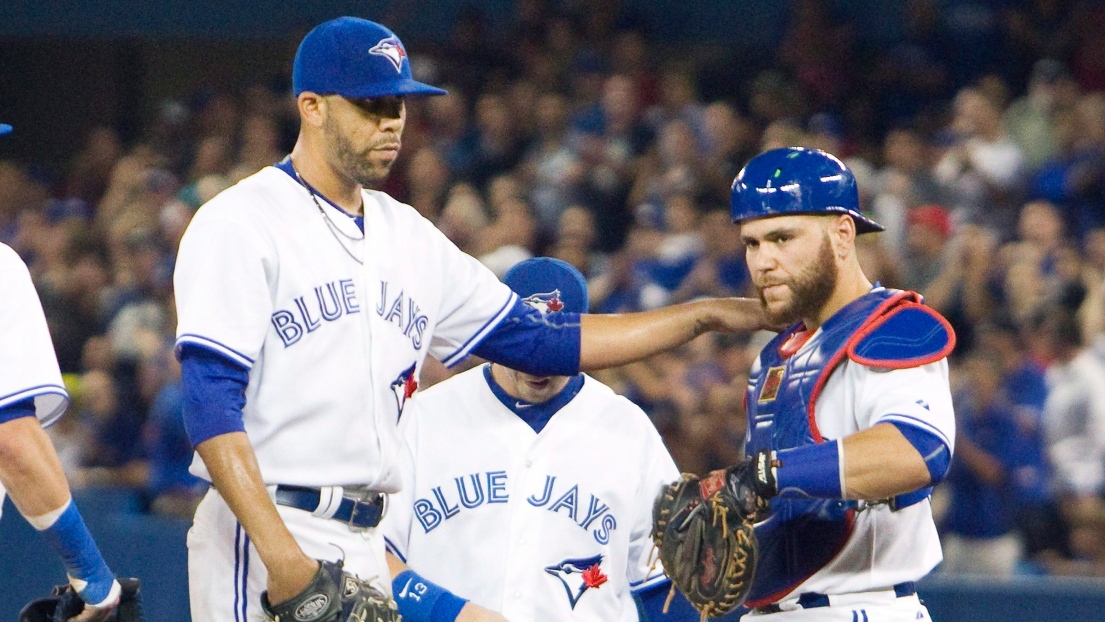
(312, 108)
(842, 231)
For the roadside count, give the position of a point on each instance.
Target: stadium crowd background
(978, 139)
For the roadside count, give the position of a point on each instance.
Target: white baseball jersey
(333, 347)
(538, 526)
(885, 548)
(333, 326)
(28, 365)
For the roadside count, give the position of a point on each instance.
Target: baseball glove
(63, 604)
(333, 596)
(703, 532)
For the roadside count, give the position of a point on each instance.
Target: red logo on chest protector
(772, 383)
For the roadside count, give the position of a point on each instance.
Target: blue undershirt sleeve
(214, 393)
(932, 449)
(535, 343)
(22, 408)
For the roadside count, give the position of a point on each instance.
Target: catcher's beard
(810, 290)
(356, 165)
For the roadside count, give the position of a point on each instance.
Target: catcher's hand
(64, 605)
(333, 596)
(704, 535)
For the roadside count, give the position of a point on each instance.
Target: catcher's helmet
(796, 180)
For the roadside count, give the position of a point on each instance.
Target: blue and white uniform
(539, 511)
(328, 326)
(880, 359)
(30, 380)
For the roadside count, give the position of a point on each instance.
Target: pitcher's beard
(810, 290)
(358, 166)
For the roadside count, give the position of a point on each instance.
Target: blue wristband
(810, 471)
(69, 536)
(420, 600)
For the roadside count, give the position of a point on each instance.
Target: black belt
(361, 513)
(812, 600)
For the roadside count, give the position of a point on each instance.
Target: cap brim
(5, 128)
(409, 88)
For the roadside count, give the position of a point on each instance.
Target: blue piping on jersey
(237, 565)
(916, 422)
(214, 346)
(536, 416)
(30, 392)
(458, 355)
(394, 550)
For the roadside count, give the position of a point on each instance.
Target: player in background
(850, 412)
(31, 397)
(530, 495)
(307, 303)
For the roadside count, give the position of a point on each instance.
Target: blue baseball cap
(549, 285)
(355, 58)
(5, 128)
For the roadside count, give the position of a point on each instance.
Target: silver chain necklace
(335, 231)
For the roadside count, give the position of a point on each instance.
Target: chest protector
(885, 328)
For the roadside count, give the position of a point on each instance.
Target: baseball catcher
(333, 596)
(64, 604)
(702, 529)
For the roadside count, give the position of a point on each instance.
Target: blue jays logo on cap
(590, 575)
(355, 58)
(548, 302)
(391, 49)
(548, 285)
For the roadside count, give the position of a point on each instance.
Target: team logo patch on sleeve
(590, 575)
(392, 50)
(772, 383)
(548, 302)
(403, 387)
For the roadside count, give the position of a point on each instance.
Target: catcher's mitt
(704, 536)
(63, 603)
(334, 596)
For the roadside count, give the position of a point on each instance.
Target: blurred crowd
(977, 138)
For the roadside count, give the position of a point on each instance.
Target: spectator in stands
(1024, 385)
(1074, 413)
(427, 182)
(1030, 118)
(113, 454)
(979, 535)
(551, 168)
(721, 270)
(981, 167)
(172, 489)
(611, 138)
(904, 182)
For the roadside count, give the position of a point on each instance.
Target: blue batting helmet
(796, 180)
